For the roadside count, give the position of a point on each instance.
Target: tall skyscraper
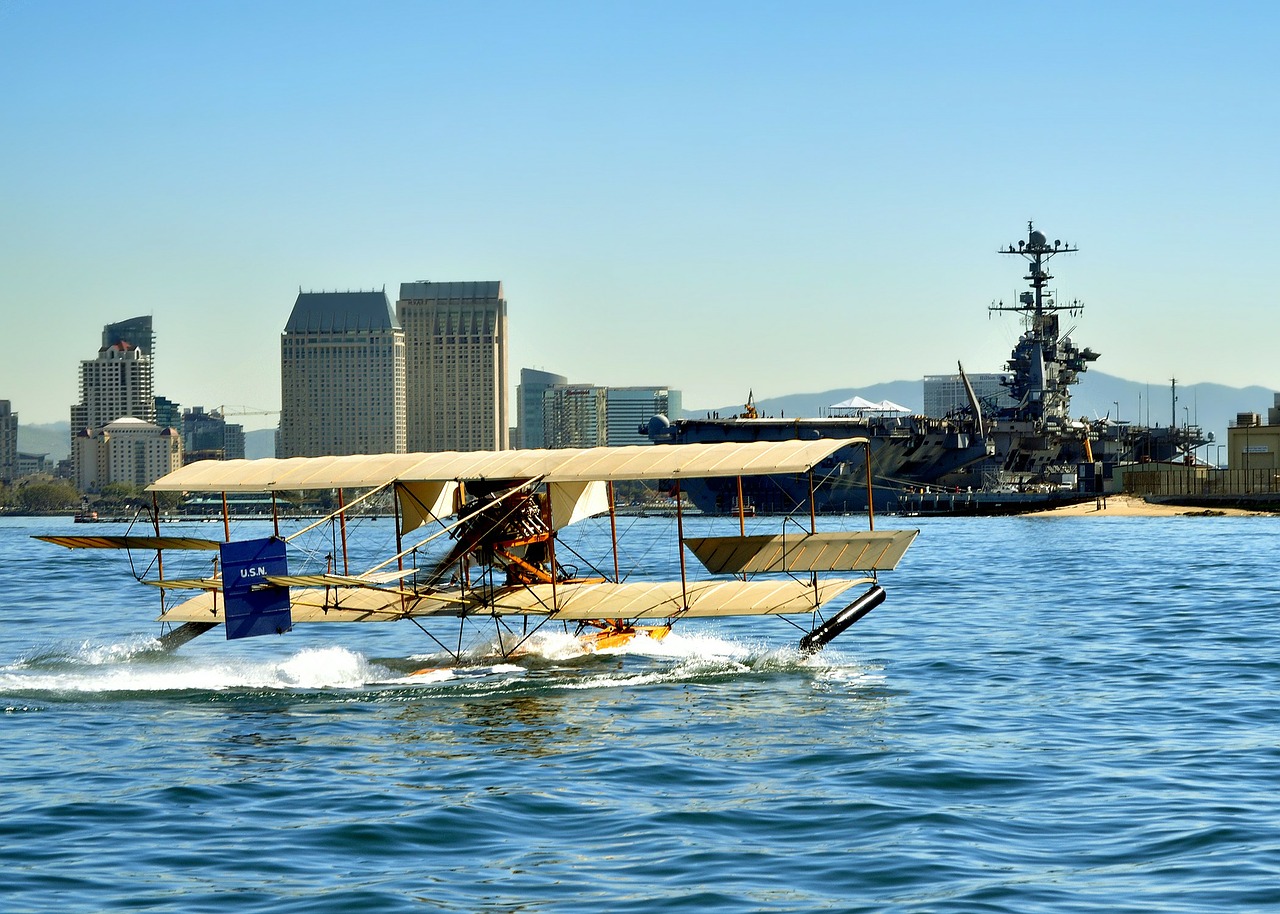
(209, 436)
(342, 376)
(455, 365)
(529, 408)
(168, 413)
(632, 407)
(8, 443)
(116, 384)
(575, 415)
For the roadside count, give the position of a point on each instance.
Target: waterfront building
(1254, 446)
(34, 465)
(168, 414)
(575, 415)
(342, 374)
(455, 365)
(210, 435)
(9, 470)
(128, 450)
(630, 408)
(116, 384)
(944, 394)
(529, 409)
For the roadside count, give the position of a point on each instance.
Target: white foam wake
(135, 668)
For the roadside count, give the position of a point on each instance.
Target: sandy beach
(1132, 506)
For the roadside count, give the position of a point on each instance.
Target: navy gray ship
(1023, 453)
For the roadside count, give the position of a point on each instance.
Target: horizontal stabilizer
(187, 583)
(324, 580)
(844, 551)
(131, 542)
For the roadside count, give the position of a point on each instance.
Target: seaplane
(503, 567)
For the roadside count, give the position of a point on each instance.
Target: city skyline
(774, 198)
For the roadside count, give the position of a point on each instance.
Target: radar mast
(1043, 365)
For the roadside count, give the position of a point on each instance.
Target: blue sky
(782, 197)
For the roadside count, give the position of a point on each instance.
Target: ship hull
(906, 453)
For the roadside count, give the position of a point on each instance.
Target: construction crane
(242, 410)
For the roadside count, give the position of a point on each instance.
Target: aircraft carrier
(984, 458)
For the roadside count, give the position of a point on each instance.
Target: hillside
(53, 439)
(1212, 406)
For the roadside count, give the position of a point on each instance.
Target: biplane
(502, 513)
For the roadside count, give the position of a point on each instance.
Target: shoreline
(1135, 506)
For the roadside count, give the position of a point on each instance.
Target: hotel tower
(455, 365)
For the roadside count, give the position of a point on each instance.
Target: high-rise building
(945, 393)
(342, 376)
(529, 410)
(136, 331)
(209, 436)
(115, 385)
(575, 415)
(8, 443)
(630, 408)
(168, 413)
(455, 365)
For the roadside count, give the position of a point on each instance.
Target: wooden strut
(342, 525)
(684, 594)
(613, 532)
(813, 529)
(395, 519)
(155, 514)
(742, 511)
(547, 521)
(813, 520)
(871, 511)
(742, 517)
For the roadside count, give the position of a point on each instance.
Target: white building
(116, 384)
(945, 393)
(127, 450)
(575, 415)
(629, 408)
(341, 376)
(455, 365)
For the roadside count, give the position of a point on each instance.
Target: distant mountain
(261, 443)
(1211, 406)
(53, 439)
(906, 393)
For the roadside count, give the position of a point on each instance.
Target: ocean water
(1047, 715)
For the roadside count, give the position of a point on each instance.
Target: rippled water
(1075, 714)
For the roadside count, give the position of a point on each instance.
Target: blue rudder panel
(251, 605)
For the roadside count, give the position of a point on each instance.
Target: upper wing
(559, 465)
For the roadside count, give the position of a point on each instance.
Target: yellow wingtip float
(503, 511)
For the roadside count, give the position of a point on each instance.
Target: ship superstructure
(983, 459)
